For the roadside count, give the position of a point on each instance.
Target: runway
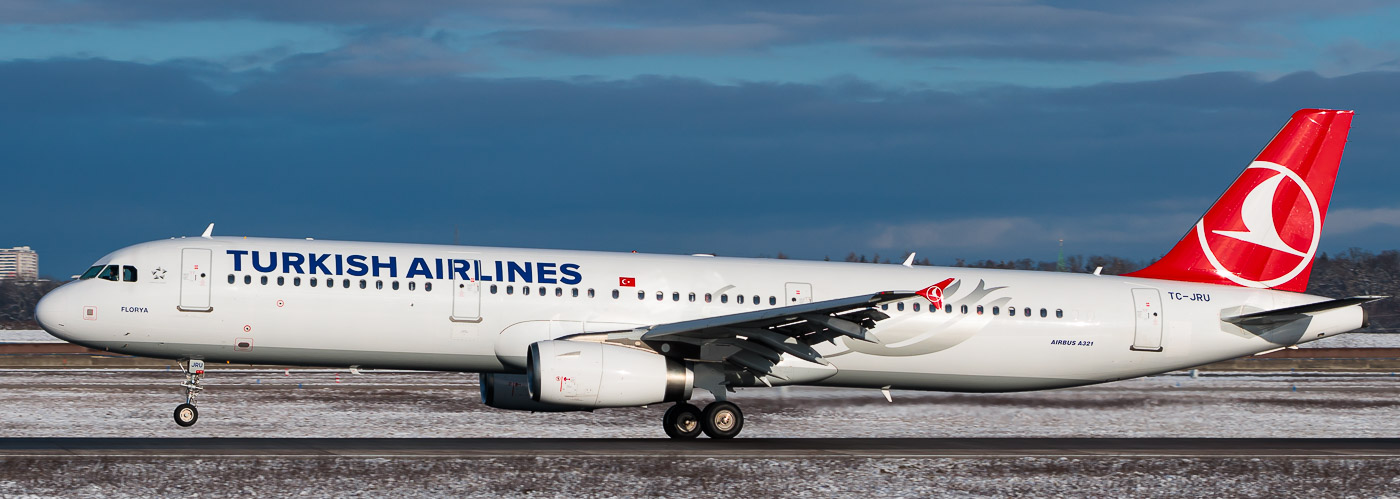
(770, 448)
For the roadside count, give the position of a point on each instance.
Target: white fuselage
(480, 318)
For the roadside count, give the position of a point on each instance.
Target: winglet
(909, 262)
(208, 232)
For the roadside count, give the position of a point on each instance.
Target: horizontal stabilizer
(1290, 314)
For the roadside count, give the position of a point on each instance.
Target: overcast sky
(977, 129)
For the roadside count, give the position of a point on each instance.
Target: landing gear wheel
(186, 415)
(722, 420)
(682, 421)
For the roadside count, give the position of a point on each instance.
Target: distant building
(19, 263)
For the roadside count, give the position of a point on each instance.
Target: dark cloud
(107, 153)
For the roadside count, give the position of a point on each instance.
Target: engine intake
(586, 374)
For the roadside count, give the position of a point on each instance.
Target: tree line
(1350, 273)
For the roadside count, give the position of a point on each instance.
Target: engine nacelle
(512, 392)
(586, 374)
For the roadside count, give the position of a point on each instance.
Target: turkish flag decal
(627, 282)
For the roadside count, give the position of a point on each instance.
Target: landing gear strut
(186, 414)
(720, 420)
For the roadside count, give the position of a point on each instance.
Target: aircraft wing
(755, 341)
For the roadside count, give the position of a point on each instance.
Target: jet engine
(589, 375)
(512, 392)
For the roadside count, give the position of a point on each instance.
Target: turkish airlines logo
(1286, 253)
(934, 293)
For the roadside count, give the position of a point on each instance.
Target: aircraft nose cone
(52, 314)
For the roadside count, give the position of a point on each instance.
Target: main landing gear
(186, 414)
(684, 421)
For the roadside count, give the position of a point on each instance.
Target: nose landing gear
(721, 420)
(186, 414)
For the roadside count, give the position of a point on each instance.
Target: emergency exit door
(798, 293)
(194, 279)
(466, 296)
(1147, 308)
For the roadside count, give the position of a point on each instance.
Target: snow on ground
(253, 403)
(27, 336)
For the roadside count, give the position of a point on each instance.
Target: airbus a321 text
(576, 330)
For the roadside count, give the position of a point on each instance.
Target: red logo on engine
(934, 293)
(1271, 236)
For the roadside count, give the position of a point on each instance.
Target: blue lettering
(418, 267)
(459, 270)
(292, 261)
(438, 265)
(571, 274)
(339, 266)
(318, 262)
(357, 265)
(237, 259)
(524, 271)
(271, 262)
(392, 265)
(546, 271)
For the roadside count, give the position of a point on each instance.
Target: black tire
(186, 415)
(682, 421)
(722, 420)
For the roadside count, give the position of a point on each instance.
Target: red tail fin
(1264, 231)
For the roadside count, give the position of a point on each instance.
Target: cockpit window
(92, 272)
(128, 273)
(109, 272)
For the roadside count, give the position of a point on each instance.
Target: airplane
(554, 330)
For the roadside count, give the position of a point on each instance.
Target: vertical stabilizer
(1264, 230)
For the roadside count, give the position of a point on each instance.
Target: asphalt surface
(736, 448)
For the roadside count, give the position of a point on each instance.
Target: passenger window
(675, 296)
(615, 294)
(1042, 313)
(412, 285)
(542, 291)
(1027, 312)
(590, 292)
(1059, 313)
(560, 292)
(281, 280)
(378, 284)
(427, 286)
(739, 299)
(345, 283)
(109, 273)
(92, 271)
(247, 279)
(948, 308)
(129, 273)
(573, 292)
(915, 305)
(394, 285)
(964, 309)
(641, 295)
(660, 296)
(979, 310)
(364, 284)
(707, 297)
(884, 306)
(724, 298)
(755, 299)
(510, 290)
(772, 300)
(493, 289)
(263, 279)
(296, 281)
(996, 310)
(692, 297)
(313, 282)
(899, 306)
(230, 278)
